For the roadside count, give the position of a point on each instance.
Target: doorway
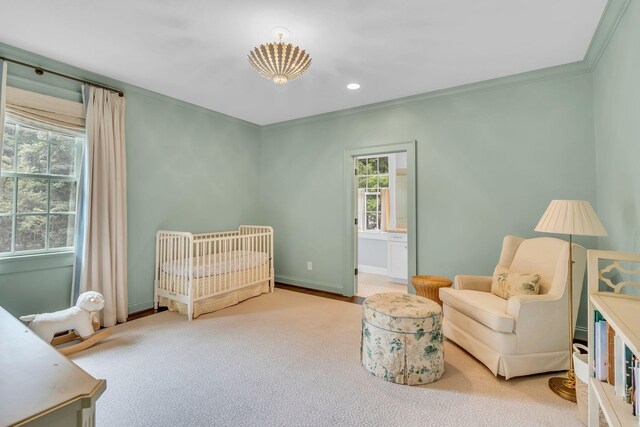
(380, 201)
(381, 194)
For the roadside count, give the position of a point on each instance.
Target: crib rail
(174, 248)
(217, 262)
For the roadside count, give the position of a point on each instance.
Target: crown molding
(555, 72)
(611, 17)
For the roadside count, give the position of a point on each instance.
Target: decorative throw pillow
(506, 284)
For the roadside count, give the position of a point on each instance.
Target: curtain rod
(40, 71)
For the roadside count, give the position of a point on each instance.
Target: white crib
(201, 273)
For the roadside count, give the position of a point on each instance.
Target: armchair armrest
(540, 322)
(473, 283)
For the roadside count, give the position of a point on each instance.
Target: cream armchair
(526, 334)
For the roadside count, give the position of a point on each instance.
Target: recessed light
(353, 86)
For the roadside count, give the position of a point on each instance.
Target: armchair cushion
(507, 283)
(483, 307)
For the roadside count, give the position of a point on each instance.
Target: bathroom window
(373, 185)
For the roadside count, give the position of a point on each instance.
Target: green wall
(617, 134)
(489, 160)
(188, 168)
(490, 157)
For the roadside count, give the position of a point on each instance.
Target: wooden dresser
(38, 385)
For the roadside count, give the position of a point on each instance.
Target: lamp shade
(575, 217)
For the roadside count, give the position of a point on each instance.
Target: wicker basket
(582, 398)
(429, 286)
(582, 388)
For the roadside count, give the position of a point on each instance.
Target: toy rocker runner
(81, 322)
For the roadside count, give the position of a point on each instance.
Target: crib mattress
(220, 263)
(220, 283)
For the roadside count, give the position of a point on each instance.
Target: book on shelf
(628, 366)
(600, 353)
(635, 387)
(636, 373)
(620, 366)
(611, 376)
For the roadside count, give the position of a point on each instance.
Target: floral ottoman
(402, 338)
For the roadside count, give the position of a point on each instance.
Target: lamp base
(563, 387)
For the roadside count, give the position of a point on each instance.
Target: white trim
(372, 270)
(350, 208)
(581, 332)
(310, 284)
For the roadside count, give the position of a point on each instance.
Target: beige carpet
(291, 359)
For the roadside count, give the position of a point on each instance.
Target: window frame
(79, 138)
(368, 192)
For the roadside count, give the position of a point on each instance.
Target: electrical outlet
(309, 265)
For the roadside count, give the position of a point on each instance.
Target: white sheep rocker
(81, 318)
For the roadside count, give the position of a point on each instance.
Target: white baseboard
(581, 333)
(311, 284)
(372, 270)
(134, 308)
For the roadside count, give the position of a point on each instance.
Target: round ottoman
(402, 338)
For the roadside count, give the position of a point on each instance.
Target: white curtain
(42, 108)
(3, 94)
(101, 258)
(385, 221)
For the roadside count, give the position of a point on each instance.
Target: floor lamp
(572, 217)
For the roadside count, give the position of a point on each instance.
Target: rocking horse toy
(80, 322)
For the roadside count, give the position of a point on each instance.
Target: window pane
(30, 232)
(8, 147)
(63, 159)
(372, 202)
(63, 196)
(32, 150)
(383, 164)
(32, 195)
(372, 183)
(362, 182)
(6, 194)
(5, 233)
(384, 181)
(61, 230)
(373, 166)
(372, 221)
(362, 166)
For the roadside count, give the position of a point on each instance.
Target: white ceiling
(196, 50)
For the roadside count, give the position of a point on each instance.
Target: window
(373, 175)
(38, 186)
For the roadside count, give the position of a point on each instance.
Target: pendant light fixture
(280, 62)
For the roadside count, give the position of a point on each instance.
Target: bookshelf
(622, 313)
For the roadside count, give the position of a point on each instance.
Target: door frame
(350, 231)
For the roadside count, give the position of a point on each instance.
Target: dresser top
(34, 378)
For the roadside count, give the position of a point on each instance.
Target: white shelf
(623, 314)
(616, 411)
